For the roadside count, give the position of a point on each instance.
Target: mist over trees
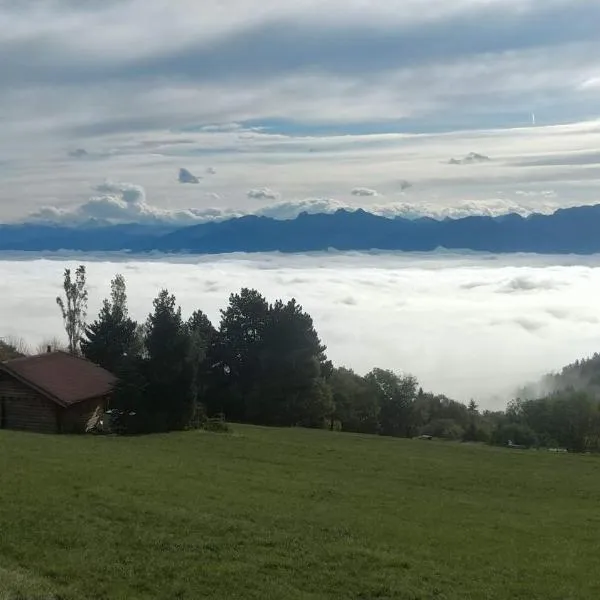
(265, 364)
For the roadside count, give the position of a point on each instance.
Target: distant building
(53, 393)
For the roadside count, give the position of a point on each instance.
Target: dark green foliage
(396, 396)
(216, 424)
(169, 398)
(202, 336)
(292, 360)
(235, 355)
(129, 410)
(112, 335)
(518, 433)
(447, 429)
(386, 403)
(268, 364)
(356, 407)
(581, 375)
(566, 419)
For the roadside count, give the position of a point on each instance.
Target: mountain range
(567, 231)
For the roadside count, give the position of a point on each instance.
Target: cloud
(363, 192)
(465, 342)
(78, 153)
(262, 194)
(562, 159)
(525, 283)
(186, 177)
(536, 193)
(125, 79)
(469, 159)
(127, 203)
(292, 208)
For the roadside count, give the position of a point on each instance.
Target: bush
(517, 433)
(216, 424)
(199, 417)
(447, 429)
(473, 433)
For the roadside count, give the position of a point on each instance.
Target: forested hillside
(581, 375)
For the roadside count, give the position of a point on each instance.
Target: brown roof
(62, 377)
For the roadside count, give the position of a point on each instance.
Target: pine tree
(234, 356)
(268, 364)
(294, 364)
(202, 335)
(169, 401)
(112, 335)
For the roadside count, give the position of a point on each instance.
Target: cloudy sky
(465, 325)
(275, 107)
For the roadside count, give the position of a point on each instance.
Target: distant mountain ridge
(567, 231)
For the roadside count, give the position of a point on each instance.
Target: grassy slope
(293, 514)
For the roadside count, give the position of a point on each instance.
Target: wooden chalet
(54, 392)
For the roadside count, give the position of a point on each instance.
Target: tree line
(264, 363)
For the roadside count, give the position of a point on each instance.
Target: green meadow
(293, 514)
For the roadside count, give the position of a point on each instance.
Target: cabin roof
(61, 377)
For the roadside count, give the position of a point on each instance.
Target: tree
(234, 356)
(268, 364)
(54, 344)
(112, 335)
(73, 306)
(471, 433)
(202, 335)
(567, 419)
(356, 407)
(396, 395)
(518, 433)
(128, 404)
(169, 402)
(293, 362)
(12, 348)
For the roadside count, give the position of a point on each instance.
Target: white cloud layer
(467, 325)
(126, 203)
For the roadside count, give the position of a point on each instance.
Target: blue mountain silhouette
(571, 230)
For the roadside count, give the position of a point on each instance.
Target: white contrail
(533, 118)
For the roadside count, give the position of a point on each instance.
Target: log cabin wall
(25, 409)
(78, 417)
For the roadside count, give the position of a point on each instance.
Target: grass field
(286, 514)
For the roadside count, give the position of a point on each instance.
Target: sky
(467, 325)
(419, 107)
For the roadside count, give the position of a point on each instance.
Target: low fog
(467, 325)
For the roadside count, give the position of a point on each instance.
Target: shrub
(518, 433)
(216, 424)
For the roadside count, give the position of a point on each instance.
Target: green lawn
(285, 514)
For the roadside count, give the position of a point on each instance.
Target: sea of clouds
(467, 325)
